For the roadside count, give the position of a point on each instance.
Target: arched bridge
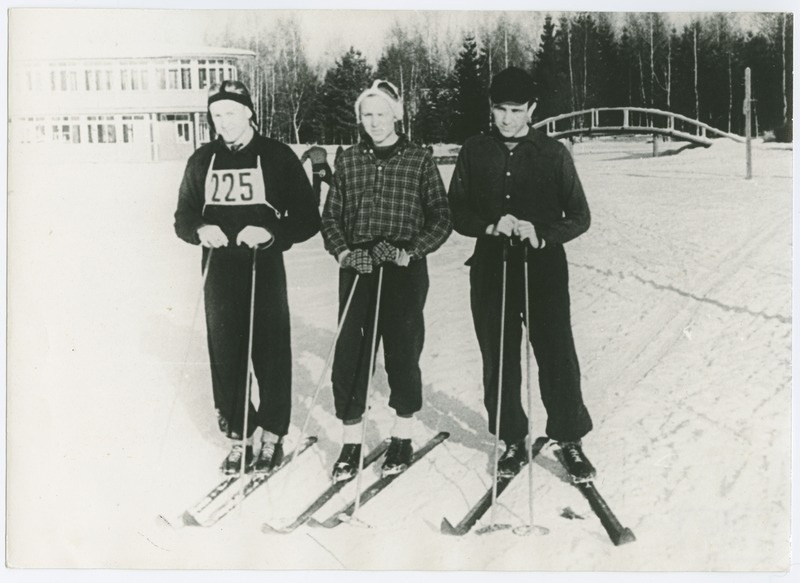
(631, 120)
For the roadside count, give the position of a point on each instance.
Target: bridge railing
(633, 119)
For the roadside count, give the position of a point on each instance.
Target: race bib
(236, 187)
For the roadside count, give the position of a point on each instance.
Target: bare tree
(696, 94)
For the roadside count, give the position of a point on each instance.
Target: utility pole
(747, 124)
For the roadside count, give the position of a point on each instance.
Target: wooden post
(747, 124)
(655, 145)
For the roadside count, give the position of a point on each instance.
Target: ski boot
(346, 466)
(398, 457)
(270, 456)
(512, 460)
(232, 464)
(576, 463)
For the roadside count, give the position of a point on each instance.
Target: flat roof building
(139, 107)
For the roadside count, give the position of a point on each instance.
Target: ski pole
(499, 385)
(353, 516)
(329, 359)
(249, 382)
(185, 363)
(528, 382)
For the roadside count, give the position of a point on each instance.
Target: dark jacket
(287, 191)
(536, 182)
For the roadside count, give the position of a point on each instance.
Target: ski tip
(311, 439)
(443, 435)
(625, 536)
(489, 529)
(267, 528)
(188, 519)
(163, 521)
(314, 523)
(448, 528)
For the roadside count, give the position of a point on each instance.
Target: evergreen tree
(470, 113)
(548, 74)
(343, 84)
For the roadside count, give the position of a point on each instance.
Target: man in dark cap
(246, 197)
(320, 169)
(512, 188)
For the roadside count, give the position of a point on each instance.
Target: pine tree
(470, 113)
(344, 82)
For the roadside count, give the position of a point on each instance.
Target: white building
(144, 107)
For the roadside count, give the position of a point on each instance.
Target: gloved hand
(358, 259)
(384, 252)
(253, 236)
(212, 236)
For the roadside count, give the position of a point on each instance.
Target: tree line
(579, 60)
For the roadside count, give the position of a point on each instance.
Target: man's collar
(240, 145)
(367, 145)
(533, 136)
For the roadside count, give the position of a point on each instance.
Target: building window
(90, 81)
(184, 132)
(203, 78)
(203, 132)
(103, 79)
(73, 81)
(186, 78)
(61, 133)
(100, 132)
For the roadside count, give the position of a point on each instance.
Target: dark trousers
(321, 173)
(227, 304)
(550, 336)
(401, 327)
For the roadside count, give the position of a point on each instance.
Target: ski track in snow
(682, 318)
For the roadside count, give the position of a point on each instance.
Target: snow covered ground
(681, 302)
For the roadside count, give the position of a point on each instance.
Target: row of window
(173, 75)
(104, 129)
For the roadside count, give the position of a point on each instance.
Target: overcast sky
(327, 34)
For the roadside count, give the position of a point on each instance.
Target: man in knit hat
(511, 188)
(387, 208)
(246, 197)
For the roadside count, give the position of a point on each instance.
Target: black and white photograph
(432, 290)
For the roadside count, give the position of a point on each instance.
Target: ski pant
(227, 306)
(550, 336)
(321, 173)
(401, 327)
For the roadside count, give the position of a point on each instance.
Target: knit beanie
(513, 85)
(384, 90)
(232, 91)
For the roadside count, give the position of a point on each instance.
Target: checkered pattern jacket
(401, 200)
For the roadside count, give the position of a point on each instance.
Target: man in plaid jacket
(387, 207)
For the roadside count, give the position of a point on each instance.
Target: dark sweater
(535, 182)
(287, 190)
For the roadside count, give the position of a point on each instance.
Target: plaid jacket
(401, 200)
